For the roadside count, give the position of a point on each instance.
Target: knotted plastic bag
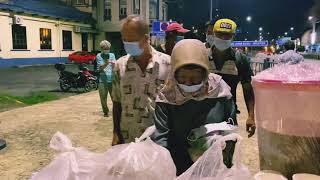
(210, 165)
(200, 139)
(140, 160)
(71, 163)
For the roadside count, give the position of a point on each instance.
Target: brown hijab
(191, 51)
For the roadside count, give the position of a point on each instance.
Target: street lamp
(249, 18)
(286, 33)
(310, 18)
(260, 29)
(292, 28)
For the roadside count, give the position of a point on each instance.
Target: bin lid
(306, 73)
(305, 177)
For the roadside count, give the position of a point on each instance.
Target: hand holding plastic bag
(141, 160)
(210, 165)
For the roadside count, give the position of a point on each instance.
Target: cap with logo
(225, 25)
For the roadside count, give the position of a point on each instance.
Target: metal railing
(261, 66)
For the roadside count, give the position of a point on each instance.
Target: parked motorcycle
(84, 79)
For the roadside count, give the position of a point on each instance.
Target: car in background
(82, 57)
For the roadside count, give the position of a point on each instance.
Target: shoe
(106, 115)
(3, 144)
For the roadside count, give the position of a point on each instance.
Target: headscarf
(186, 52)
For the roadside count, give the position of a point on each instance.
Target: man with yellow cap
(232, 65)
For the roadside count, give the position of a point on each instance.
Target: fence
(260, 66)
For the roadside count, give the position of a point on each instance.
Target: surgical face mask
(190, 89)
(221, 44)
(210, 39)
(106, 51)
(179, 38)
(133, 48)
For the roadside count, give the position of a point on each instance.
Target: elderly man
(138, 77)
(105, 59)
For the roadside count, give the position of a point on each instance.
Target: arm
(246, 73)
(116, 112)
(162, 126)
(101, 63)
(117, 108)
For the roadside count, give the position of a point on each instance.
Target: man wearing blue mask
(232, 65)
(137, 79)
(174, 33)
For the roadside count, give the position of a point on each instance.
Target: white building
(42, 33)
(46, 32)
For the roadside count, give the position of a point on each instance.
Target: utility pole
(211, 10)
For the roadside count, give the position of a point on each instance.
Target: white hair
(105, 44)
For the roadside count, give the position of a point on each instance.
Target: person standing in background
(105, 61)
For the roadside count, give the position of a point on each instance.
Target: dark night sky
(275, 16)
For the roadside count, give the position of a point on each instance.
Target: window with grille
(19, 37)
(153, 9)
(107, 10)
(45, 38)
(80, 2)
(123, 9)
(67, 40)
(136, 6)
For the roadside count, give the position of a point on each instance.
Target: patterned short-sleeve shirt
(137, 91)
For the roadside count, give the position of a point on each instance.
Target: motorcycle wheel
(65, 86)
(90, 85)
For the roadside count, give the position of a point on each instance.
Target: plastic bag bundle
(141, 160)
(200, 139)
(71, 163)
(210, 165)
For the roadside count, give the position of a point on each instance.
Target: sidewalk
(28, 132)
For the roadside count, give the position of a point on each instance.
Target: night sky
(275, 16)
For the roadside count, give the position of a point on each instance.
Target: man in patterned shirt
(138, 77)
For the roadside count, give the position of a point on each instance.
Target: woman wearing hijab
(192, 97)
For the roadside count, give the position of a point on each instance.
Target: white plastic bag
(141, 160)
(210, 165)
(71, 163)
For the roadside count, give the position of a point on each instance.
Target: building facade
(110, 14)
(46, 32)
(42, 33)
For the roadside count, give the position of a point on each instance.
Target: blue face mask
(133, 48)
(179, 38)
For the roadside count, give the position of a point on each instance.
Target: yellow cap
(225, 25)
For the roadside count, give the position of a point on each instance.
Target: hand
(117, 139)
(251, 126)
